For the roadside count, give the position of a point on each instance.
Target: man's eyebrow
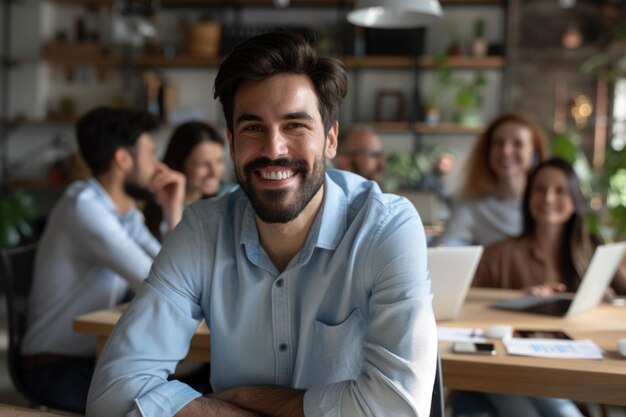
(247, 117)
(298, 115)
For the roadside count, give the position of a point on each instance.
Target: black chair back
(16, 274)
(436, 404)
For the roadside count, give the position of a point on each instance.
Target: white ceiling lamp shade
(395, 14)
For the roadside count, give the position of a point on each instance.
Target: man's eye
(252, 128)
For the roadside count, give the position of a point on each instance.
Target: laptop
(604, 263)
(451, 271)
(426, 203)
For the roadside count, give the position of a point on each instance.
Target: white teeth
(276, 175)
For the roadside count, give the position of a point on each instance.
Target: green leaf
(565, 148)
(17, 212)
(9, 236)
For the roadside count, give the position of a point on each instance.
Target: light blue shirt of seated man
(88, 258)
(349, 320)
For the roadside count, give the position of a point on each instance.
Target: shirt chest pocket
(339, 346)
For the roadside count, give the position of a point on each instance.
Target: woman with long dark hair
(197, 150)
(555, 247)
(552, 254)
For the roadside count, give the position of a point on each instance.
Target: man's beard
(136, 191)
(271, 205)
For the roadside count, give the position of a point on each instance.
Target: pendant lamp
(395, 14)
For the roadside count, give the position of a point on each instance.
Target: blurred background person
(195, 149)
(360, 151)
(555, 247)
(437, 181)
(95, 251)
(494, 181)
(551, 254)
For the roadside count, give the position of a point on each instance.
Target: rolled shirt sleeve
(150, 339)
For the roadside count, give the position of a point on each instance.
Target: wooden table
(595, 381)
(101, 323)
(585, 380)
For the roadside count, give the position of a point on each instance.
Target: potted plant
(479, 40)
(443, 80)
(605, 189)
(468, 100)
(405, 170)
(17, 214)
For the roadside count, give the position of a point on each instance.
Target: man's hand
(266, 400)
(209, 407)
(168, 187)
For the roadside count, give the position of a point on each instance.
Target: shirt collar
(326, 231)
(104, 196)
(102, 193)
(333, 216)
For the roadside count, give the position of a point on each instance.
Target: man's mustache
(293, 165)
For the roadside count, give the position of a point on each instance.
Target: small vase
(432, 116)
(479, 47)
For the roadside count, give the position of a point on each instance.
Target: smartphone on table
(474, 348)
(541, 334)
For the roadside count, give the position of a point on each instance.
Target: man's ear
(231, 144)
(123, 160)
(331, 141)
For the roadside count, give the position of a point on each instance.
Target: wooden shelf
(88, 53)
(41, 122)
(101, 55)
(470, 62)
(181, 61)
(38, 183)
(376, 61)
(216, 3)
(269, 3)
(439, 128)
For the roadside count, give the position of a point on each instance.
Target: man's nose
(275, 144)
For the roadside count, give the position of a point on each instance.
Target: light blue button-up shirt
(88, 257)
(350, 319)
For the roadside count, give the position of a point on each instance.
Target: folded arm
(263, 400)
(212, 407)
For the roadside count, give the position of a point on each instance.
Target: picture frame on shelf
(389, 106)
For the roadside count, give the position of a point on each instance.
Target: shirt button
(280, 283)
(283, 347)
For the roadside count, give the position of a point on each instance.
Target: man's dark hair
(282, 52)
(104, 130)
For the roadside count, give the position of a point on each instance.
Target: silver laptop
(604, 263)
(451, 271)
